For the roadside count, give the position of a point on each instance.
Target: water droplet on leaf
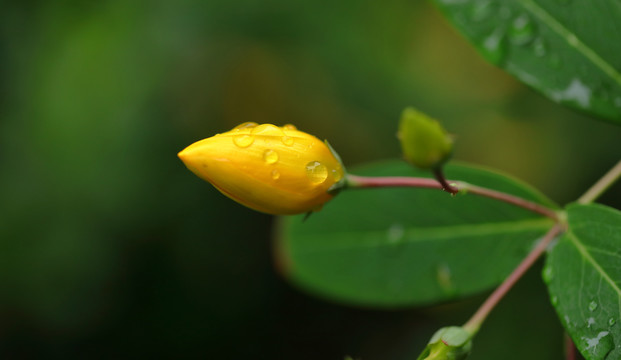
(522, 30)
(548, 274)
(593, 305)
(554, 300)
(243, 141)
(395, 233)
(494, 46)
(599, 346)
(270, 156)
(275, 174)
(612, 321)
(576, 92)
(316, 172)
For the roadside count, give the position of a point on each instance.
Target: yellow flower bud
(275, 170)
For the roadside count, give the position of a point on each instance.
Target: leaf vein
(379, 238)
(572, 40)
(586, 255)
(605, 252)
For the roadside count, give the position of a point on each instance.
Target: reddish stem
(439, 175)
(355, 181)
(570, 348)
(477, 319)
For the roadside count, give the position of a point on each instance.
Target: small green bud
(424, 141)
(448, 343)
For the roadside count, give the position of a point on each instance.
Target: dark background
(110, 248)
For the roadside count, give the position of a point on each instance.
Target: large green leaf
(405, 246)
(583, 273)
(566, 49)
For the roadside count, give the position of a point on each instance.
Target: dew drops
(316, 172)
(576, 92)
(548, 274)
(599, 346)
(289, 127)
(540, 47)
(275, 174)
(267, 130)
(554, 300)
(522, 30)
(395, 233)
(494, 46)
(590, 322)
(270, 156)
(243, 141)
(287, 140)
(612, 322)
(593, 305)
(246, 125)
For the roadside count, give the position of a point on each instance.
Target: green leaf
(583, 273)
(394, 247)
(566, 49)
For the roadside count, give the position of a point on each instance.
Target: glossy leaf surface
(566, 49)
(404, 246)
(583, 273)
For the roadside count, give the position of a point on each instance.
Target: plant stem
(601, 185)
(512, 199)
(439, 175)
(473, 325)
(354, 181)
(570, 348)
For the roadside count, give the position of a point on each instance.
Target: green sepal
(448, 343)
(424, 142)
(341, 184)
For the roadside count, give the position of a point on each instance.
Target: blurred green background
(110, 248)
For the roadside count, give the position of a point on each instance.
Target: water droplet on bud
(267, 130)
(246, 125)
(316, 172)
(287, 140)
(270, 156)
(243, 141)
